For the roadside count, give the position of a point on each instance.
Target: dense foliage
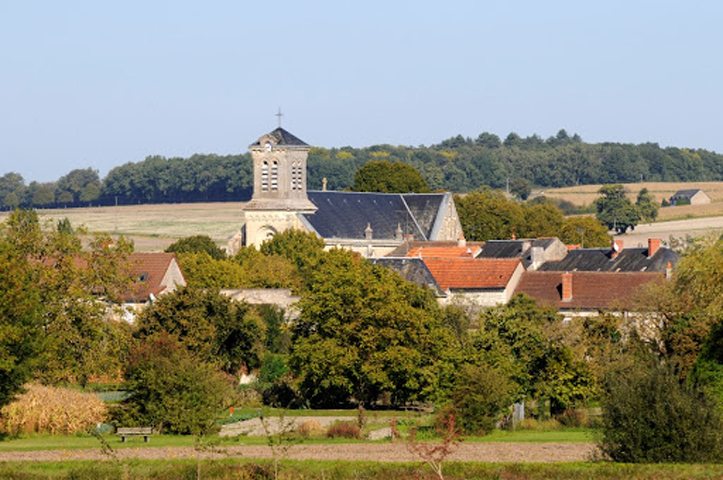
(486, 214)
(172, 389)
(386, 177)
(650, 415)
(457, 164)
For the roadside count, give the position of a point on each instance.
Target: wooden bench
(145, 432)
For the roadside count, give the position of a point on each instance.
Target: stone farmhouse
(693, 196)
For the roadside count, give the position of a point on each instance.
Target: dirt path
(378, 452)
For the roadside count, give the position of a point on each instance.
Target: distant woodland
(458, 164)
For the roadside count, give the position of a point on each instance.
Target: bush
(57, 411)
(343, 430)
(650, 416)
(172, 389)
(480, 398)
(574, 418)
(310, 428)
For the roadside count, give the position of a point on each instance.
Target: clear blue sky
(98, 84)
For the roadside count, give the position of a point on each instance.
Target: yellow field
(154, 227)
(586, 194)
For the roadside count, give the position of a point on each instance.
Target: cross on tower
(279, 115)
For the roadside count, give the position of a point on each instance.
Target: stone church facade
(370, 223)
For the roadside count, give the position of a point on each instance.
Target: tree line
(458, 164)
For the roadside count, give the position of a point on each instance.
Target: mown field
(154, 227)
(585, 194)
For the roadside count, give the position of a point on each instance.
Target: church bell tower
(279, 160)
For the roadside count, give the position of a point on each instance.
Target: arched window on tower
(265, 176)
(296, 176)
(275, 176)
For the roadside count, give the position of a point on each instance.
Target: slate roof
(514, 248)
(283, 137)
(412, 270)
(472, 274)
(689, 193)
(599, 260)
(148, 269)
(590, 290)
(347, 214)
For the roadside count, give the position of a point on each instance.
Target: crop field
(154, 227)
(586, 194)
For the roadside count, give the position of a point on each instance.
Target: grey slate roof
(689, 193)
(347, 214)
(412, 270)
(284, 138)
(514, 248)
(599, 260)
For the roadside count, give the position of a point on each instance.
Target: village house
(154, 274)
(694, 196)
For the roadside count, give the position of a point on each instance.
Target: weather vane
(279, 115)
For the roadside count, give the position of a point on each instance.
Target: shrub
(574, 418)
(480, 398)
(172, 389)
(57, 411)
(310, 428)
(343, 430)
(650, 416)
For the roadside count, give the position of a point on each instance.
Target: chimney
(537, 257)
(668, 271)
(566, 287)
(368, 232)
(617, 247)
(461, 242)
(323, 184)
(399, 235)
(653, 246)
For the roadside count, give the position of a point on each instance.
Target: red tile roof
(444, 252)
(148, 270)
(466, 273)
(590, 290)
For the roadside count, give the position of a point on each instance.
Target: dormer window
(142, 277)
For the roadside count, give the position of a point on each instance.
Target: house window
(265, 176)
(296, 176)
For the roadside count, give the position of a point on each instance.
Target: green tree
(486, 214)
(20, 318)
(387, 177)
(540, 355)
(214, 328)
(364, 331)
(586, 231)
(651, 416)
(173, 390)
(615, 210)
(647, 206)
(197, 244)
(520, 188)
(303, 249)
(542, 221)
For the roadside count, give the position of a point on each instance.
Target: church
(372, 224)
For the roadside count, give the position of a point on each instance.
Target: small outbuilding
(694, 196)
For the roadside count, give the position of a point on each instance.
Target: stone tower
(279, 187)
